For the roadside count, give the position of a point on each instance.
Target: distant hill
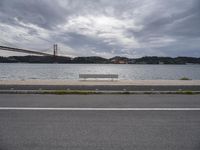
(100, 60)
(90, 60)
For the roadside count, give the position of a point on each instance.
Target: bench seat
(98, 76)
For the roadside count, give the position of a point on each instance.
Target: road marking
(102, 109)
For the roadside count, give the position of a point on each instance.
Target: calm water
(71, 71)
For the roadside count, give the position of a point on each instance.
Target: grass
(79, 92)
(85, 92)
(185, 92)
(184, 78)
(125, 92)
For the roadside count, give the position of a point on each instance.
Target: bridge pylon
(55, 50)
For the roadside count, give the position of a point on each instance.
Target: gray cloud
(131, 28)
(42, 13)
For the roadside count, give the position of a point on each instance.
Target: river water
(19, 71)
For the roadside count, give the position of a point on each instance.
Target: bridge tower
(55, 50)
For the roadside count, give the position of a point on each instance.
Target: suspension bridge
(20, 50)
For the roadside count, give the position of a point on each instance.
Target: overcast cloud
(107, 28)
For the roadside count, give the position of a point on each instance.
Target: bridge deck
(23, 51)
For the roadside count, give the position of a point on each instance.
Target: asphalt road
(99, 130)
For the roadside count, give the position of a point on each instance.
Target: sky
(106, 28)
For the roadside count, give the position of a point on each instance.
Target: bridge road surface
(99, 122)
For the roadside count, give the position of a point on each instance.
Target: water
(71, 71)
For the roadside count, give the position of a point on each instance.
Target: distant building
(131, 61)
(142, 62)
(119, 60)
(161, 63)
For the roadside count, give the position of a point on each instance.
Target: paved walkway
(100, 82)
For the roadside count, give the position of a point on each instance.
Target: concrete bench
(98, 76)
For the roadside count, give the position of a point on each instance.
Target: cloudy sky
(107, 28)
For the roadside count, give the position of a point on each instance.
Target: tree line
(100, 60)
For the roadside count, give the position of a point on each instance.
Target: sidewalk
(103, 82)
(118, 85)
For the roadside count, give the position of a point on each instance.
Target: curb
(82, 92)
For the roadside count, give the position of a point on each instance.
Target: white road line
(101, 109)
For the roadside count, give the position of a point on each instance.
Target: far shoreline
(100, 60)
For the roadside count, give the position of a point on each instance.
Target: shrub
(185, 78)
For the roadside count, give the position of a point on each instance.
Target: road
(40, 123)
